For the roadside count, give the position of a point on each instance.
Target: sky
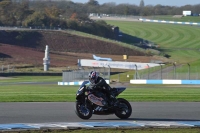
(148, 2)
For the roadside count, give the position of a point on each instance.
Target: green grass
(31, 79)
(55, 93)
(181, 42)
(37, 93)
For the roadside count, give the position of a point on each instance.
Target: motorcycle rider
(97, 82)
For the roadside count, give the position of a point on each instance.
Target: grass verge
(55, 93)
(14, 79)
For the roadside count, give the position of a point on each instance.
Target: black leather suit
(101, 83)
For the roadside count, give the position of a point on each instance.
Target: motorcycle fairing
(84, 83)
(95, 100)
(118, 90)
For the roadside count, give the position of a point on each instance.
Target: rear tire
(83, 111)
(124, 109)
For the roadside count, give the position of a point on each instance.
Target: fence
(121, 77)
(82, 74)
(7, 68)
(181, 72)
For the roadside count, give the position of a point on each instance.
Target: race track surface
(41, 112)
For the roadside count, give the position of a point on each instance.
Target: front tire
(83, 111)
(124, 109)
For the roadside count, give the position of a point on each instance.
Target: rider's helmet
(93, 76)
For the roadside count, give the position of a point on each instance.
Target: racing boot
(112, 99)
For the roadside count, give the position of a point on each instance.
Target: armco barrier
(186, 82)
(75, 83)
(169, 22)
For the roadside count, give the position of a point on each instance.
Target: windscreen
(84, 83)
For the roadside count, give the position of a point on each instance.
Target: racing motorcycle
(90, 102)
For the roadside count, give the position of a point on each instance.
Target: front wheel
(124, 109)
(83, 111)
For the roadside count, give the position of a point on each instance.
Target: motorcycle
(96, 102)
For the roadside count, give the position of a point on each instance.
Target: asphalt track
(41, 112)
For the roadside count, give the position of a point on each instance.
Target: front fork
(84, 100)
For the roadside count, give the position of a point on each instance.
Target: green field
(181, 42)
(55, 93)
(17, 79)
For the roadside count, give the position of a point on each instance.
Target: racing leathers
(101, 83)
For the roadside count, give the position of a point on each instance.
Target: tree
(74, 16)
(21, 11)
(4, 2)
(6, 13)
(93, 3)
(52, 12)
(142, 3)
(36, 19)
(126, 10)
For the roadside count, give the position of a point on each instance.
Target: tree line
(67, 14)
(45, 14)
(141, 9)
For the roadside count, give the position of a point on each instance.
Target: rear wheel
(124, 109)
(83, 111)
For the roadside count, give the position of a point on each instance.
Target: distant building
(187, 13)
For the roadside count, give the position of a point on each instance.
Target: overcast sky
(148, 2)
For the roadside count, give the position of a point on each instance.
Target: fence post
(2, 68)
(109, 72)
(135, 71)
(8, 68)
(104, 72)
(13, 68)
(174, 70)
(83, 74)
(161, 71)
(188, 71)
(148, 71)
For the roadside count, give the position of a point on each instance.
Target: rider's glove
(88, 88)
